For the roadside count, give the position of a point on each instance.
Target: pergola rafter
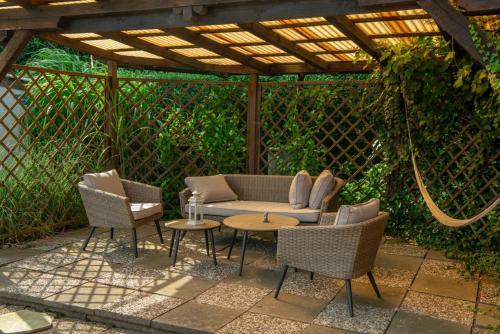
(242, 36)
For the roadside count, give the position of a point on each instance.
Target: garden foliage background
(168, 127)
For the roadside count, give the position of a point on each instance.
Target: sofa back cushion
(300, 190)
(323, 186)
(352, 214)
(212, 188)
(107, 181)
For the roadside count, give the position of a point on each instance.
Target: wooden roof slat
(220, 49)
(275, 39)
(355, 34)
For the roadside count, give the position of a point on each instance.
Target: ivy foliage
(447, 100)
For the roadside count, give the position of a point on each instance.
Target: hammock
(436, 212)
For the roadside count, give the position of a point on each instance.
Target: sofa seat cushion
(231, 208)
(144, 210)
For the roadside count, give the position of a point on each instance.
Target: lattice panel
(170, 129)
(327, 113)
(51, 126)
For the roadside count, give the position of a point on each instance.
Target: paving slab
(267, 261)
(197, 317)
(233, 296)
(451, 309)
(24, 321)
(291, 307)
(89, 296)
(139, 305)
(205, 268)
(88, 269)
(43, 285)
(401, 262)
(321, 287)
(442, 269)
(73, 326)
(447, 287)
(401, 248)
(397, 278)
(438, 255)
(260, 278)
(178, 285)
(371, 314)
(46, 261)
(13, 276)
(12, 254)
(488, 316)
(479, 330)
(413, 323)
(129, 277)
(260, 323)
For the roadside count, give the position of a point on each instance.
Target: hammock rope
(436, 212)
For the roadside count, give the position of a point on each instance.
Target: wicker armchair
(105, 209)
(340, 251)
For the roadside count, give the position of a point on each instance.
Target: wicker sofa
(263, 193)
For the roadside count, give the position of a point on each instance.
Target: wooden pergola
(236, 36)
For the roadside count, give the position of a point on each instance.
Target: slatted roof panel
(316, 43)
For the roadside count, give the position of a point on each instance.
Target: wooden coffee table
(180, 226)
(253, 223)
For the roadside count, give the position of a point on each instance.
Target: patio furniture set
(312, 232)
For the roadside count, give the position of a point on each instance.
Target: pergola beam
(355, 34)
(168, 54)
(220, 49)
(453, 23)
(290, 47)
(12, 50)
(483, 7)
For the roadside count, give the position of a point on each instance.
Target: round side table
(180, 226)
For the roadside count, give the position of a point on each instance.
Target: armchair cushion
(212, 188)
(352, 214)
(323, 186)
(300, 189)
(144, 210)
(107, 181)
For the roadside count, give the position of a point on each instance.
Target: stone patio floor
(106, 290)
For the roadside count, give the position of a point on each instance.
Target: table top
(253, 222)
(181, 224)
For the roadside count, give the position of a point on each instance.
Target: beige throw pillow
(212, 188)
(300, 189)
(323, 186)
(352, 214)
(108, 181)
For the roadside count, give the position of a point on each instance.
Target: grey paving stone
(88, 269)
(12, 254)
(260, 278)
(73, 326)
(316, 329)
(179, 285)
(44, 285)
(488, 316)
(397, 278)
(260, 323)
(438, 255)
(489, 292)
(46, 261)
(12, 276)
(401, 262)
(395, 247)
(321, 287)
(412, 323)
(447, 287)
(291, 307)
(192, 315)
(24, 321)
(205, 268)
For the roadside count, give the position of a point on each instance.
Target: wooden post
(111, 96)
(12, 50)
(253, 125)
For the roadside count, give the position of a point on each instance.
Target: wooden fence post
(111, 89)
(253, 125)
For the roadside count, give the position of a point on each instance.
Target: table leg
(212, 240)
(206, 242)
(232, 244)
(176, 246)
(243, 249)
(171, 243)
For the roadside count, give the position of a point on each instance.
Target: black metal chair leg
(282, 279)
(212, 240)
(158, 229)
(311, 275)
(111, 233)
(171, 244)
(206, 242)
(86, 243)
(134, 241)
(232, 244)
(176, 246)
(374, 285)
(243, 250)
(295, 269)
(350, 307)
(183, 235)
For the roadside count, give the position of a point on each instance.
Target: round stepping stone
(24, 321)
